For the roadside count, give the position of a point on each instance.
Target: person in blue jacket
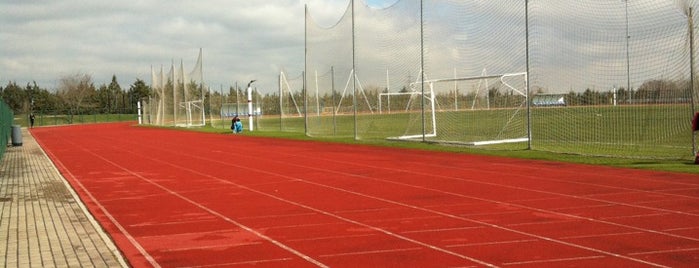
(237, 126)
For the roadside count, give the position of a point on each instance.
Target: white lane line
(277, 216)
(389, 233)
(427, 189)
(242, 263)
(391, 202)
(368, 252)
(438, 212)
(336, 237)
(600, 235)
(220, 246)
(147, 224)
(436, 230)
(211, 211)
(459, 168)
(493, 243)
(665, 251)
(554, 260)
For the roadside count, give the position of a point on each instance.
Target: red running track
(173, 198)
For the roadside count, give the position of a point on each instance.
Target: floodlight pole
(526, 76)
(250, 104)
(628, 68)
(691, 74)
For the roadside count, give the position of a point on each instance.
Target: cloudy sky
(575, 44)
(241, 40)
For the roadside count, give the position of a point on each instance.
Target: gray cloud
(241, 40)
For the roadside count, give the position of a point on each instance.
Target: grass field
(650, 137)
(645, 131)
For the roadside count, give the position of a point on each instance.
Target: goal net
(193, 114)
(178, 97)
(478, 110)
(291, 101)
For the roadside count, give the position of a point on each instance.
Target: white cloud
(242, 39)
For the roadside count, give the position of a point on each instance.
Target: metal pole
(354, 73)
(305, 103)
(691, 73)
(526, 76)
(422, 69)
(332, 86)
(305, 69)
(628, 68)
(250, 105)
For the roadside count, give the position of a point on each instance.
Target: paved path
(42, 221)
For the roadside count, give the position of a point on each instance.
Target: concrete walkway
(42, 221)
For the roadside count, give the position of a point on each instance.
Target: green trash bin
(16, 135)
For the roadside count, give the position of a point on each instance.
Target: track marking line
(147, 224)
(216, 232)
(369, 252)
(493, 243)
(340, 237)
(443, 230)
(681, 229)
(278, 216)
(354, 211)
(534, 223)
(389, 233)
(665, 251)
(221, 246)
(407, 205)
(396, 203)
(455, 216)
(459, 168)
(600, 235)
(246, 263)
(525, 189)
(635, 216)
(211, 211)
(299, 225)
(403, 219)
(504, 203)
(554, 260)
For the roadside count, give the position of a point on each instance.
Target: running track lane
(184, 199)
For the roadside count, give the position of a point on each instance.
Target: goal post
(194, 114)
(495, 110)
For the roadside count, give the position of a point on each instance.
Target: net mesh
(178, 97)
(291, 102)
(619, 72)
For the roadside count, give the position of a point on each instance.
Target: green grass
(643, 131)
(683, 166)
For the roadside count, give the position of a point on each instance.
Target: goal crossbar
(431, 97)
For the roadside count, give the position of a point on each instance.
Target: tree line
(75, 94)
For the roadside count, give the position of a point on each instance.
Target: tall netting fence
(624, 67)
(178, 97)
(330, 77)
(291, 102)
(587, 77)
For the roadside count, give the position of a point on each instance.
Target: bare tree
(75, 90)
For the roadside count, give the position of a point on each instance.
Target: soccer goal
(495, 110)
(194, 114)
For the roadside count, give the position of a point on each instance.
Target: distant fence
(53, 118)
(6, 117)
